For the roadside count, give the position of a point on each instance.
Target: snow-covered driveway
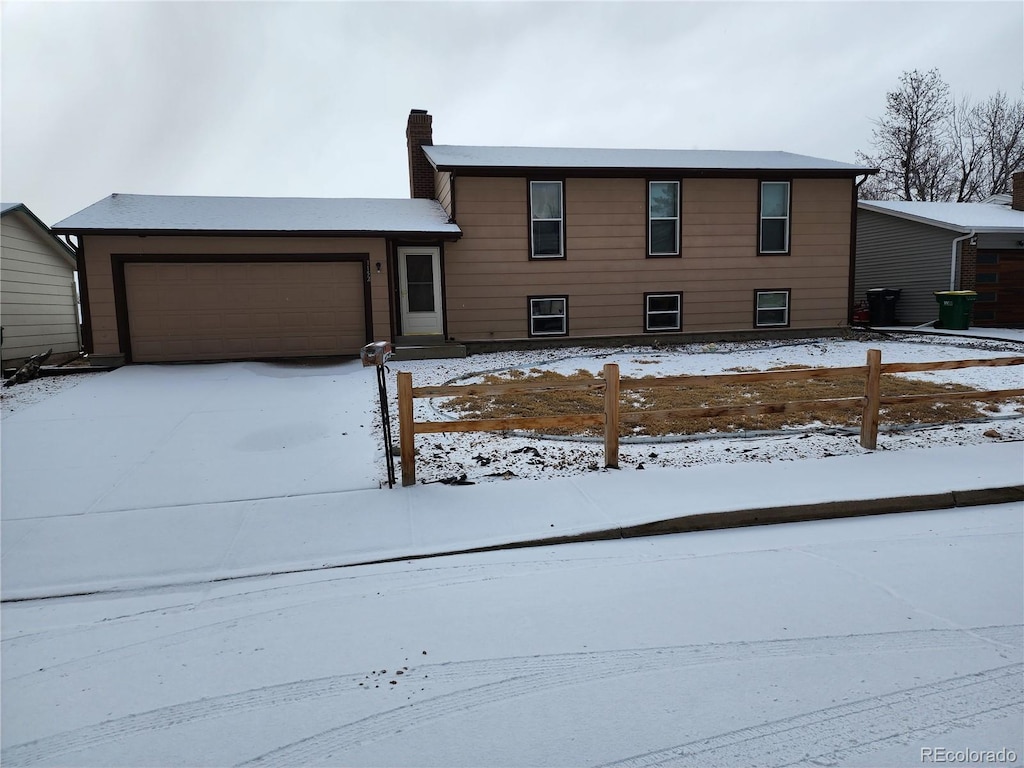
(844, 642)
(175, 435)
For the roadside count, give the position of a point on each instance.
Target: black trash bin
(882, 305)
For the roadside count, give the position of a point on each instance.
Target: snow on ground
(853, 642)
(843, 643)
(488, 457)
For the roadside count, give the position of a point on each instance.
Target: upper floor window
(774, 229)
(663, 218)
(547, 231)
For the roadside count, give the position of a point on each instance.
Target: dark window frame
(647, 311)
(564, 298)
(789, 307)
(761, 217)
(678, 252)
(530, 220)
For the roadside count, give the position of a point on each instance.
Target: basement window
(771, 308)
(663, 312)
(549, 315)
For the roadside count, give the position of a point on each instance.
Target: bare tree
(909, 138)
(1001, 125)
(929, 146)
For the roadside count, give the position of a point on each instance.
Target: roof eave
(66, 251)
(962, 228)
(114, 232)
(618, 171)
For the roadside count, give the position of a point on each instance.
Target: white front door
(419, 288)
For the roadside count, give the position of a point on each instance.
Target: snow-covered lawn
(487, 457)
(844, 643)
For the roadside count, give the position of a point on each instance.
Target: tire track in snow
(520, 675)
(826, 736)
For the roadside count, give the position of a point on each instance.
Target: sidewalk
(191, 544)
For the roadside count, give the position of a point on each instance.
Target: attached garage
(244, 309)
(197, 279)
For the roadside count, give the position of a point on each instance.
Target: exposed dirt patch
(703, 395)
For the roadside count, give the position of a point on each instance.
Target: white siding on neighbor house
(38, 301)
(897, 253)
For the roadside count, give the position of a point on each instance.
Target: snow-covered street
(846, 642)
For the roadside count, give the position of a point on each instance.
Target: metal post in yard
(377, 354)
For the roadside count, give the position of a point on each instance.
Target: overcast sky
(310, 99)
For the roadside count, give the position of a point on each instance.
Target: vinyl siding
(489, 274)
(443, 189)
(896, 253)
(98, 250)
(38, 301)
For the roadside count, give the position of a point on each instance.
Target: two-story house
(496, 245)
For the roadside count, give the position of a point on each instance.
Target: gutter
(952, 257)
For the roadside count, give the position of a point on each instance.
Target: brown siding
(606, 273)
(101, 287)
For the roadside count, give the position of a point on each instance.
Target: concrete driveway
(152, 436)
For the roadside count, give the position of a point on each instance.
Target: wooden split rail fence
(611, 419)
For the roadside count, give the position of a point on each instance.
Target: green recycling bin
(955, 309)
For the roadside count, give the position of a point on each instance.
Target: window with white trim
(771, 308)
(663, 218)
(774, 227)
(663, 312)
(549, 315)
(547, 235)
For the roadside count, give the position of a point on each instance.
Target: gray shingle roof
(156, 213)
(445, 156)
(961, 217)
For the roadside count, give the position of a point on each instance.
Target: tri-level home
(496, 245)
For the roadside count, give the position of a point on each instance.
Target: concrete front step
(428, 351)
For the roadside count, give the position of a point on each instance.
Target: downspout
(952, 257)
(850, 298)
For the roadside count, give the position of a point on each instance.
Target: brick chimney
(1017, 202)
(420, 133)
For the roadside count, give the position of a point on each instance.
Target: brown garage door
(225, 311)
(1000, 287)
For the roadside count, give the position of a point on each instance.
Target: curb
(711, 521)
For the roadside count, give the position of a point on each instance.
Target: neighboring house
(921, 248)
(497, 244)
(38, 300)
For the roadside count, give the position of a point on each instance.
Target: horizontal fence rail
(611, 419)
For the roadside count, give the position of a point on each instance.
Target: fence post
(611, 415)
(872, 392)
(406, 428)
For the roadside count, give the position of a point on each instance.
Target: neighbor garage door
(224, 311)
(1000, 287)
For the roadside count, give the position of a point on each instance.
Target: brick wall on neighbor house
(968, 266)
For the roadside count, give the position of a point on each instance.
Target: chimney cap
(417, 112)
